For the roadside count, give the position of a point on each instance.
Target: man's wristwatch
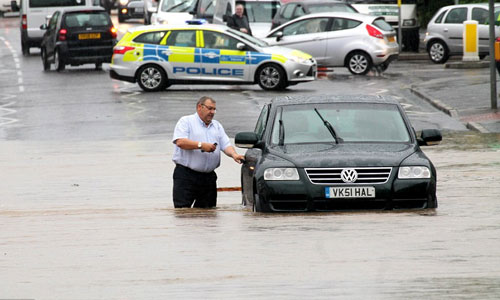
(199, 145)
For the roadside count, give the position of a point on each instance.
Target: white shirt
(192, 127)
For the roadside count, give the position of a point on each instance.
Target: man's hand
(208, 147)
(244, 30)
(239, 158)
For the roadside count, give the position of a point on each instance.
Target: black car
(76, 36)
(130, 9)
(295, 9)
(326, 153)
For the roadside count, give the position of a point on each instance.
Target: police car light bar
(196, 22)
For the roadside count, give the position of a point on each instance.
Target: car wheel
(359, 63)
(152, 78)
(258, 206)
(45, 60)
(98, 66)
(271, 77)
(59, 62)
(121, 18)
(438, 52)
(25, 48)
(383, 66)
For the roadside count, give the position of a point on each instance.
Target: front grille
(328, 176)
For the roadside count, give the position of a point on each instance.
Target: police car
(158, 56)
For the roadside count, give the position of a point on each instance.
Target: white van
(34, 13)
(260, 14)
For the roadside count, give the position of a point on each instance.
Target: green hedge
(427, 8)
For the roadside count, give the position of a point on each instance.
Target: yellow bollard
(471, 41)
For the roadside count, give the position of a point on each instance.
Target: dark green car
(327, 153)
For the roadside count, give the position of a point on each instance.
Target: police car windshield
(249, 38)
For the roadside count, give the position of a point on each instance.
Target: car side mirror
(430, 137)
(246, 139)
(279, 36)
(43, 26)
(241, 46)
(14, 6)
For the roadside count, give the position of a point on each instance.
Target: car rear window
(56, 3)
(86, 19)
(382, 24)
(323, 7)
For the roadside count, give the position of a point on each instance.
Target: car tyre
(45, 60)
(359, 63)
(152, 78)
(25, 48)
(59, 61)
(258, 206)
(98, 66)
(271, 77)
(432, 201)
(438, 52)
(121, 18)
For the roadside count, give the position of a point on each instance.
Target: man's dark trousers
(192, 186)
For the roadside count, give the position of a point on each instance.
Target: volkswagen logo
(349, 175)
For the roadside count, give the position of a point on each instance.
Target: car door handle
(445, 30)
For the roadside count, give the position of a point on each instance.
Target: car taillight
(114, 32)
(24, 22)
(62, 34)
(372, 31)
(122, 49)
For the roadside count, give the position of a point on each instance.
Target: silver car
(158, 56)
(444, 36)
(337, 39)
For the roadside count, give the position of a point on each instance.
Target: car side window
(288, 11)
(217, 40)
(456, 16)
(439, 19)
(150, 37)
(480, 15)
(261, 122)
(306, 26)
(182, 38)
(342, 24)
(299, 11)
(53, 21)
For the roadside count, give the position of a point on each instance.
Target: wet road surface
(94, 220)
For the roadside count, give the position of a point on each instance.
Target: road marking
(4, 111)
(16, 62)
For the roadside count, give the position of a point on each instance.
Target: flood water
(95, 221)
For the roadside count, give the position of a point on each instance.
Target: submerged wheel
(271, 77)
(45, 60)
(152, 78)
(258, 206)
(438, 52)
(359, 63)
(59, 62)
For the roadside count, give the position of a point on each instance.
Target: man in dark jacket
(239, 21)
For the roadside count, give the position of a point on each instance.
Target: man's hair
(203, 100)
(240, 4)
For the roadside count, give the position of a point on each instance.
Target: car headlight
(414, 172)
(281, 174)
(123, 2)
(297, 59)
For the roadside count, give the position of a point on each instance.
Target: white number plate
(350, 192)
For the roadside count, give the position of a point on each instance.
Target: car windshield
(322, 7)
(261, 11)
(86, 19)
(352, 122)
(178, 5)
(249, 38)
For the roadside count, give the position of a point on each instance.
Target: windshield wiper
(330, 128)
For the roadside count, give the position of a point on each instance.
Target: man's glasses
(210, 108)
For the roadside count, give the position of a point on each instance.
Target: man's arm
(230, 23)
(187, 144)
(231, 152)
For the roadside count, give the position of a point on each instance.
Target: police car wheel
(359, 63)
(271, 77)
(152, 78)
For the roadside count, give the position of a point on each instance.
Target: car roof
(469, 5)
(316, 2)
(292, 100)
(179, 26)
(349, 15)
(83, 9)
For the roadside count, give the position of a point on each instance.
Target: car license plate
(89, 36)
(350, 192)
(391, 39)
